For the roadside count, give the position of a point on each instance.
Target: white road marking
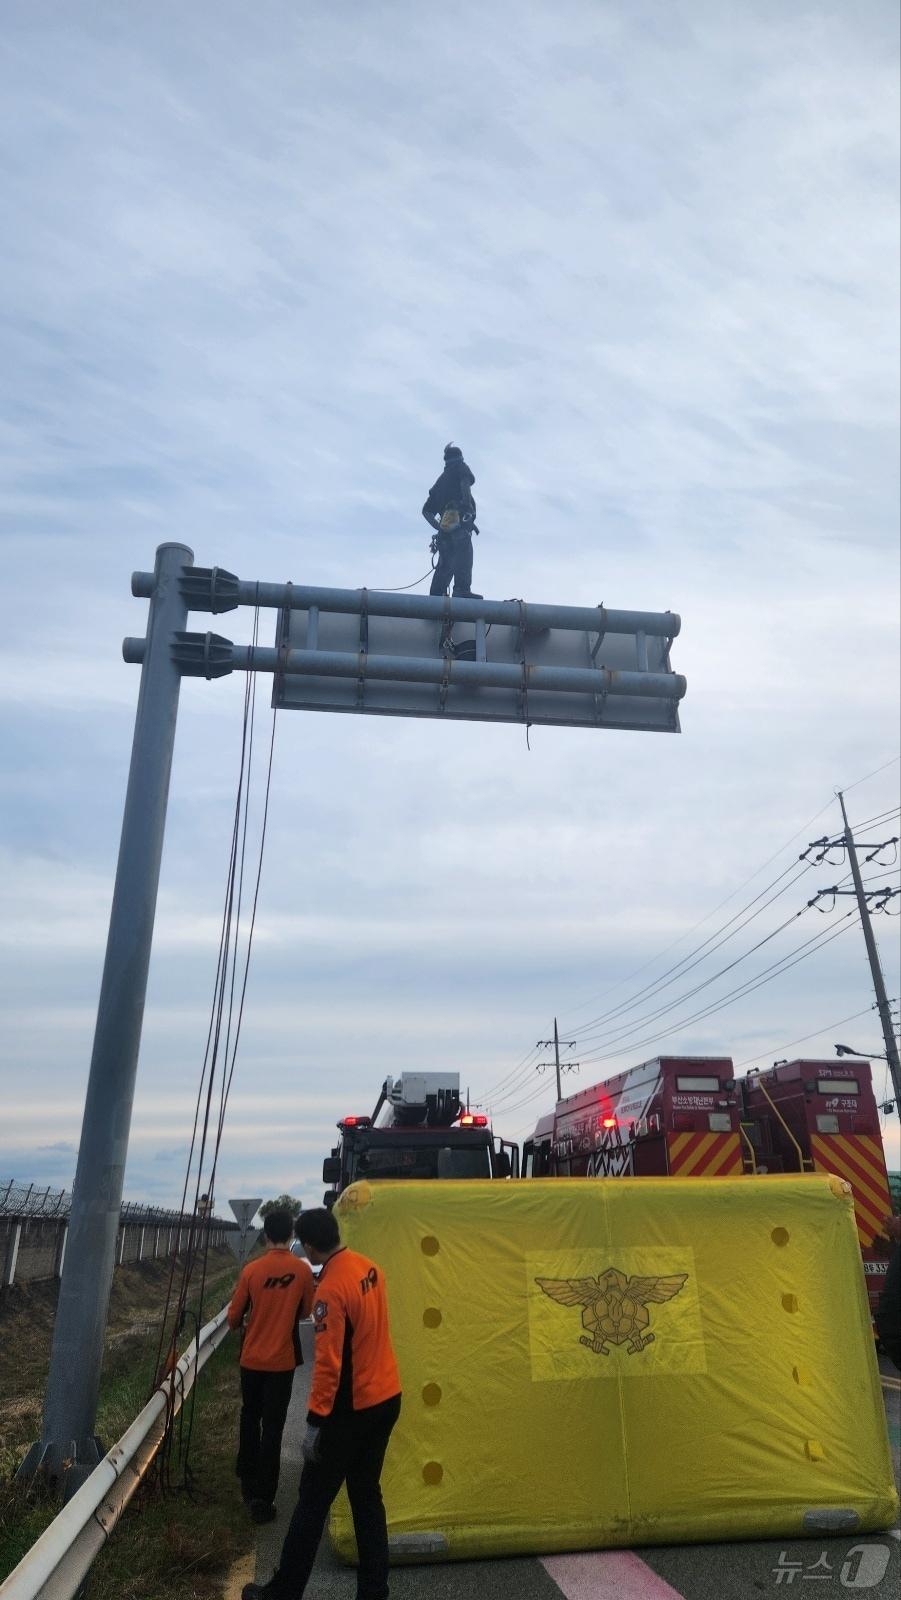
(607, 1575)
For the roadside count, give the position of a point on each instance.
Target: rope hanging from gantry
(214, 1087)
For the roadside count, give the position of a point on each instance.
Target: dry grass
(176, 1547)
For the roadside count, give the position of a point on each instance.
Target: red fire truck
(821, 1116)
(688, 1116)
(678, 1115)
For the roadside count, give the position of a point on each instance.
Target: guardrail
(55, 1566)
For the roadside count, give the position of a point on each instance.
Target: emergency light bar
(355, 1122)
(472, 1120)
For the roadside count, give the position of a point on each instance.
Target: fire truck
(419, 1128)
(821, 1116)
(688, 1116)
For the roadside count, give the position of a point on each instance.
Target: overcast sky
(639, 258)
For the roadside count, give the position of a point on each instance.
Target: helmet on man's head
(452, 452)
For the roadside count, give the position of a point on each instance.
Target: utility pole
(67, 1443)
(567, 1066)
(845, 841)
(882, 1004)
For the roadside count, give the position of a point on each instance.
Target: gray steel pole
(557, 1060)
(72, 1385)
(882, 1005)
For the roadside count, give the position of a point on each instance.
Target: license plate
(876, 1268)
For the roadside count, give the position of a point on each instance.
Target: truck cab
(419, 1128)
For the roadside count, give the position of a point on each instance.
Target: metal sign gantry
(369, 651)
(353, 650)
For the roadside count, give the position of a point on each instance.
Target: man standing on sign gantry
(450, 512)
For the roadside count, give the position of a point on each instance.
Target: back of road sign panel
(590, 1363)
(412, 637)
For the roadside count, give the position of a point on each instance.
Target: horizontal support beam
(213, 589)
(209, 655)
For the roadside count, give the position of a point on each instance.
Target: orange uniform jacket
(355, 1365)
(278, 1289)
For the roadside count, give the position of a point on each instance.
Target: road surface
(745, 1571)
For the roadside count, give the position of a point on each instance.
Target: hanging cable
(402, 586)
(223, 1037)
(230, 1065)
(161, 1366)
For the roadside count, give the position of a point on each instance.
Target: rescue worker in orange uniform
(274, 1293)
(354, 1404)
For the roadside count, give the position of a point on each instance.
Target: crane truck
(419, 1128)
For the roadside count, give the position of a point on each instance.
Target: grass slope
(176, 1547)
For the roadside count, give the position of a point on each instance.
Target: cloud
(261, 269)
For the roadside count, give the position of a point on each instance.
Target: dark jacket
(452, 490)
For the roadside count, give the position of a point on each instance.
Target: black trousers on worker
(353, 1450)
(265, 1397)
(454, 562)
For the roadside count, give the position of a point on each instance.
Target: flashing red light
(471, 1119)
(356, 1122)
(608, 1122)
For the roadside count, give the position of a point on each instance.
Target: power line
(765, 1055)
(868, 775)
(699, 955)
(537, 1092)
(689, 994)
(706, 918)
(820, 941)
(817, 942)
(517, 1076)
(508, 1076)
(874, 822)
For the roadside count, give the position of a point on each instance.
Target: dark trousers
(352, 1449)
(264, 1405)
(454, 562)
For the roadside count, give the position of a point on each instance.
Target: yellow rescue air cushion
(596, 1362)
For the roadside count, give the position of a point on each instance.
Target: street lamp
(846, 1050)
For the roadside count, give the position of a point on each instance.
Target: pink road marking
(607, 1575)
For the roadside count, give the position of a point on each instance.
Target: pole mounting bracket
(202, 655)
(209, 589)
